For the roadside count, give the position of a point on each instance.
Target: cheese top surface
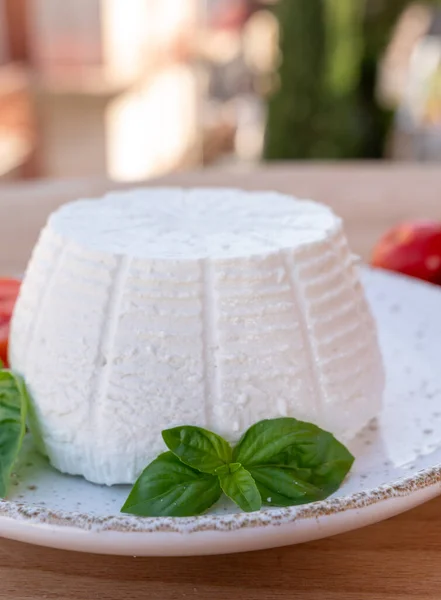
(193, 223)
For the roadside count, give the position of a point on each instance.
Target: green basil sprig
(279, 462)
(13, 410)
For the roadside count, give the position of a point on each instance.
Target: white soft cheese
(214, 307)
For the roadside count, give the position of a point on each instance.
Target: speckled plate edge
(214, 534)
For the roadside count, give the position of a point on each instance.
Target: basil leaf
(169, 488)
(282, 486)
(237, 483)
(198, 448)
(13, 409)
(313, 456)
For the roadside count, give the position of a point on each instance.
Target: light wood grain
(394, 560)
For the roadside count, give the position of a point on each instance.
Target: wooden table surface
(398, 559)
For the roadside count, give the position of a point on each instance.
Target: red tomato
(411, 248)
(9, 289)
(6, 307)
(4, 337)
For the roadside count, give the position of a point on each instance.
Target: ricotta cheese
(153, 308)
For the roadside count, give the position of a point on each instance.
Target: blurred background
(133, 89)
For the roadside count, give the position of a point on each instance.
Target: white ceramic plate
(398, 463)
